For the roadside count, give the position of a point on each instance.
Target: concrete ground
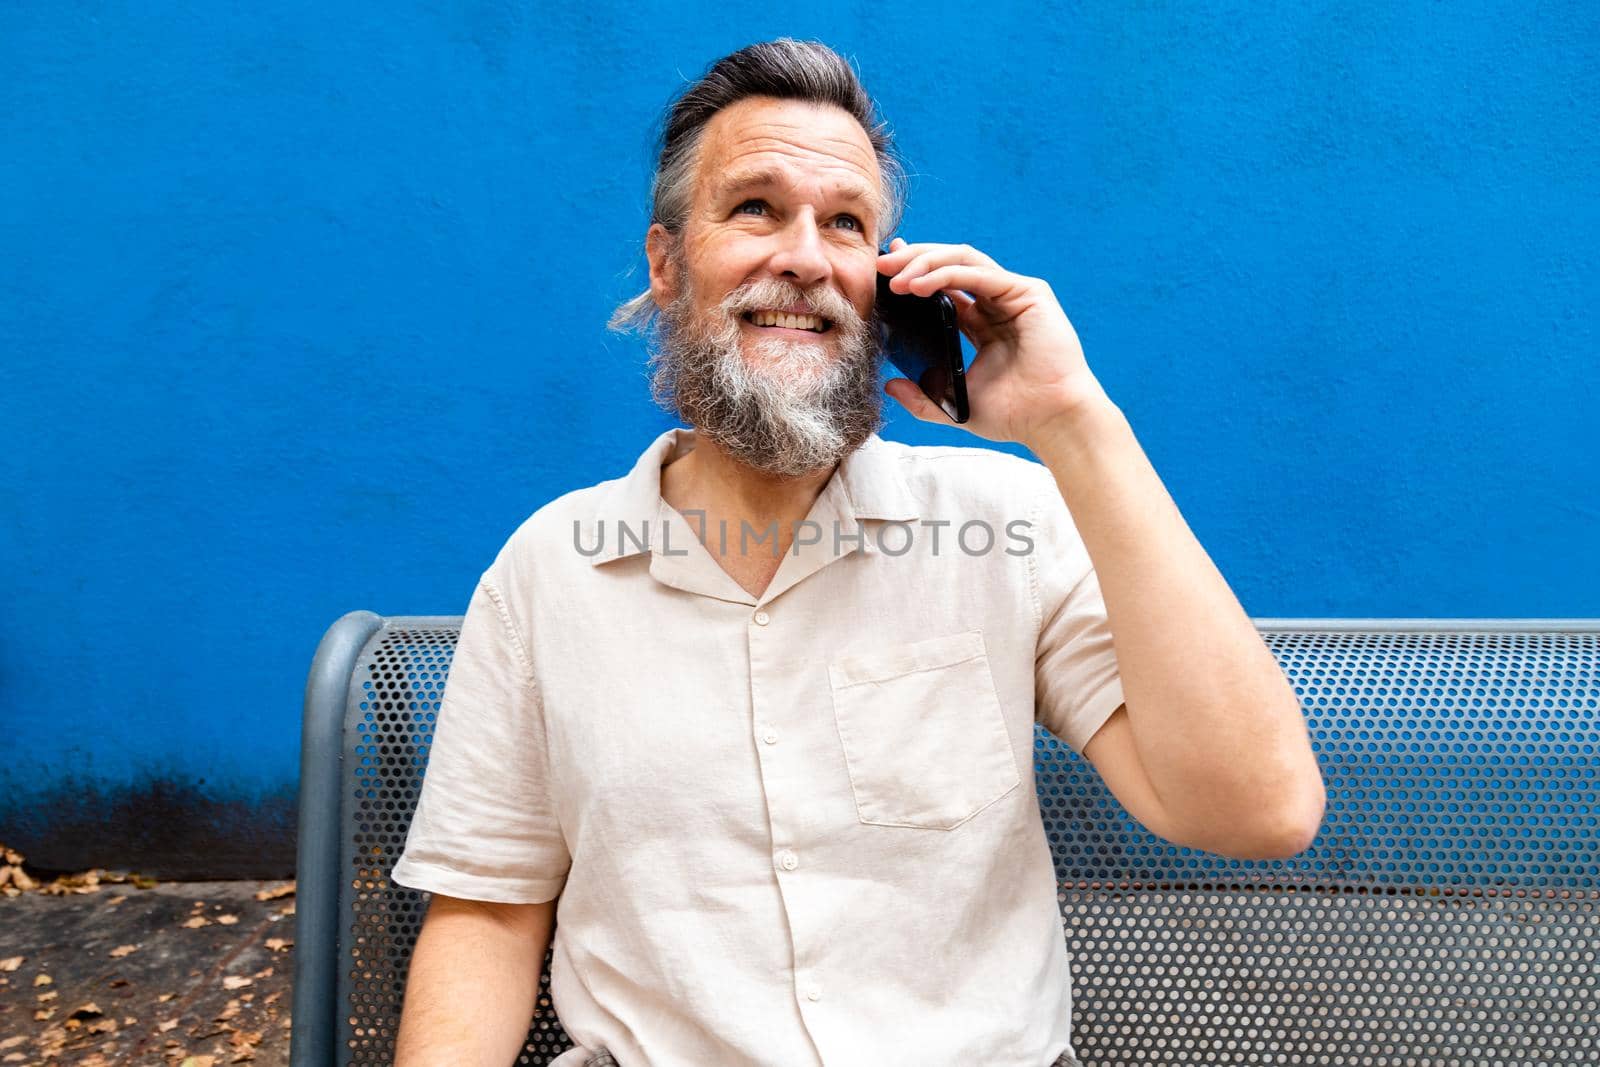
(112, 971)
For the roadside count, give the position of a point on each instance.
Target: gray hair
(788, 70)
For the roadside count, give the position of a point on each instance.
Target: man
(764, 736)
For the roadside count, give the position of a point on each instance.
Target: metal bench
(1446, 914)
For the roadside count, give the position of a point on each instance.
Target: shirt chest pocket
(924, 738)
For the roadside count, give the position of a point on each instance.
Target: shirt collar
(869, 480)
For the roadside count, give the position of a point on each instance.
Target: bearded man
(743, 734)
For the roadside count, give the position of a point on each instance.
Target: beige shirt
(793, 829)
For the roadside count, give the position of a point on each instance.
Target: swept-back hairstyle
(789, 70)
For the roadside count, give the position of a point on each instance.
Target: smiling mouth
(785, 321)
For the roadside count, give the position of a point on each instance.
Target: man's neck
(708, 479)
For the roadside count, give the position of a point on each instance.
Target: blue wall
(302, 310)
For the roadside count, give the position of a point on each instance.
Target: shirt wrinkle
(511, 632)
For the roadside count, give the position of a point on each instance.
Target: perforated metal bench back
(1446, 914)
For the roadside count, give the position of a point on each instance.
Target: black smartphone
(919, 335)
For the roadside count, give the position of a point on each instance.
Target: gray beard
(789, 409)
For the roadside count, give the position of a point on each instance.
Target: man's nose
(800, 255)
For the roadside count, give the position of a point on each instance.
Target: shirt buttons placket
(762, 618)
(788, 860)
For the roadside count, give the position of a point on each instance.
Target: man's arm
(473, 983)
(1212, 722)
(1212, 726)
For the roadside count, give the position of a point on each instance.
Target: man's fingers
(989, 284)
(925, 268)
(914, 400)
(896, 259)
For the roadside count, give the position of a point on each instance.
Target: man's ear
(664, 279)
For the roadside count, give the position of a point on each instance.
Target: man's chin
(794, 361)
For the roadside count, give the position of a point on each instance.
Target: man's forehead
(771, 170)
(779, 142)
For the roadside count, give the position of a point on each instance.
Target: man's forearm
(470, 993)
(1218, 727)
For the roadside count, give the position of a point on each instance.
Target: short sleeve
(1077, 686)
(485, 826)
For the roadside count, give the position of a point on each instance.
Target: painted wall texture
(303, 311)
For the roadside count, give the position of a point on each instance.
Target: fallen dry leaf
(236, 981)
(162, 1028)
(16, 876)
(114, 901)
(87, 882)
(12, 1042)
(103, 1026)
(227, 920)
(46, 997)
(287, 889)
(199, 1061)
(44, 1013)
(163, 998)
(11, 963)
(123, 950)
(86, 1011)
(229, 1011)
(278, 944)
(42, 979)
(196, 922)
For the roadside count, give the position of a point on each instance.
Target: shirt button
(770, 738)
(814, 993)
(762, 618)
(788, 860)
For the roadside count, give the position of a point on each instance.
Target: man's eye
(852, 220)
(761, 204)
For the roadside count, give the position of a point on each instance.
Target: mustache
(819, 300)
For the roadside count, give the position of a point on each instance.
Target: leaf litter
(249, 1025)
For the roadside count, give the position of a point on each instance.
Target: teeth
(791, 322)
